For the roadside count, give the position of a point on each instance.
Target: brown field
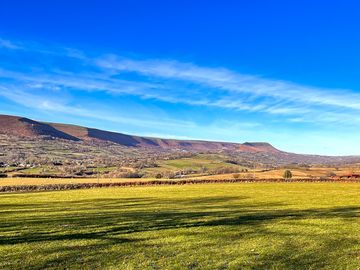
(278, 173)
(298, 173)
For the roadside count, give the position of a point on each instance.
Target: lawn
(212, 226)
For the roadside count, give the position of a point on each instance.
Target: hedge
(27, 188)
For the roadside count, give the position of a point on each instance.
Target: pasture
(212, 226)
(17, 181)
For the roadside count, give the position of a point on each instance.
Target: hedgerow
(50, 187)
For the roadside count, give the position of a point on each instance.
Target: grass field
(272, 174)
(206, 166)
(217, 226)
(208, 161)
(48, 181)
(211, 161)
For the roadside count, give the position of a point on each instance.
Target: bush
(330, 174)
(287, 174)
(231, 161)
(131, 175)
(236, 175)
(3, 175)
(158, 176)
(225, 170)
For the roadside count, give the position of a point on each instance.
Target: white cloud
(233, 82)
(7, 44)
(177, 82)
(39, 101)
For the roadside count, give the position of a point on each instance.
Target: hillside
(20, 126)
(33, 143)
(24, 127)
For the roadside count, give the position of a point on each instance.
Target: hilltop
(25, 127)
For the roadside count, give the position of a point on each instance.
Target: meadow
(19, 181)
(212, 226)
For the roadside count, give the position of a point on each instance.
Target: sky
(283, 72)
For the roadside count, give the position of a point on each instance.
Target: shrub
(231, 161)
(236, 175)
(225, 170)
(287, 174)
(330, 174)
(131, 175)
(158, 176)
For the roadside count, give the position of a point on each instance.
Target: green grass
(7, 169)
(41, 170)
(220, 226)
(35, 170)
(201, 160)
(104, 169)
(210, 161)
(54, 170)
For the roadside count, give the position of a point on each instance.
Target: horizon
(274, 77)
(166, 138)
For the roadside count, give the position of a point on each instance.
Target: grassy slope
(211, 162)
(196, 163)
(233, 226)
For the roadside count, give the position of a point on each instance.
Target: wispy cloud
(41, 101)
(230, 81)
(171, 81)
(7, 44)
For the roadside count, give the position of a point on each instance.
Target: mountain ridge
(22, 126)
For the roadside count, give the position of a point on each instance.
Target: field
(214, 226)
(204, 166)
(48, 181)
(197, 162)
(192, 163)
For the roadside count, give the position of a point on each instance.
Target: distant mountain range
(24, 127)
(27, 131)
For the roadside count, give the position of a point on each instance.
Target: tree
(287, 174)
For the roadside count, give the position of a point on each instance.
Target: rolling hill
(21, 126)
(22, 138)
(24, 127)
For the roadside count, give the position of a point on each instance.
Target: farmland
(49, 157)
(214, 226)
(312, 173)
(170, 204)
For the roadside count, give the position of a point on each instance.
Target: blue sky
(285, 72)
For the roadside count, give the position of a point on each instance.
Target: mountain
(25, 137)
(258, 147)
(24, 127)
(20, 126)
